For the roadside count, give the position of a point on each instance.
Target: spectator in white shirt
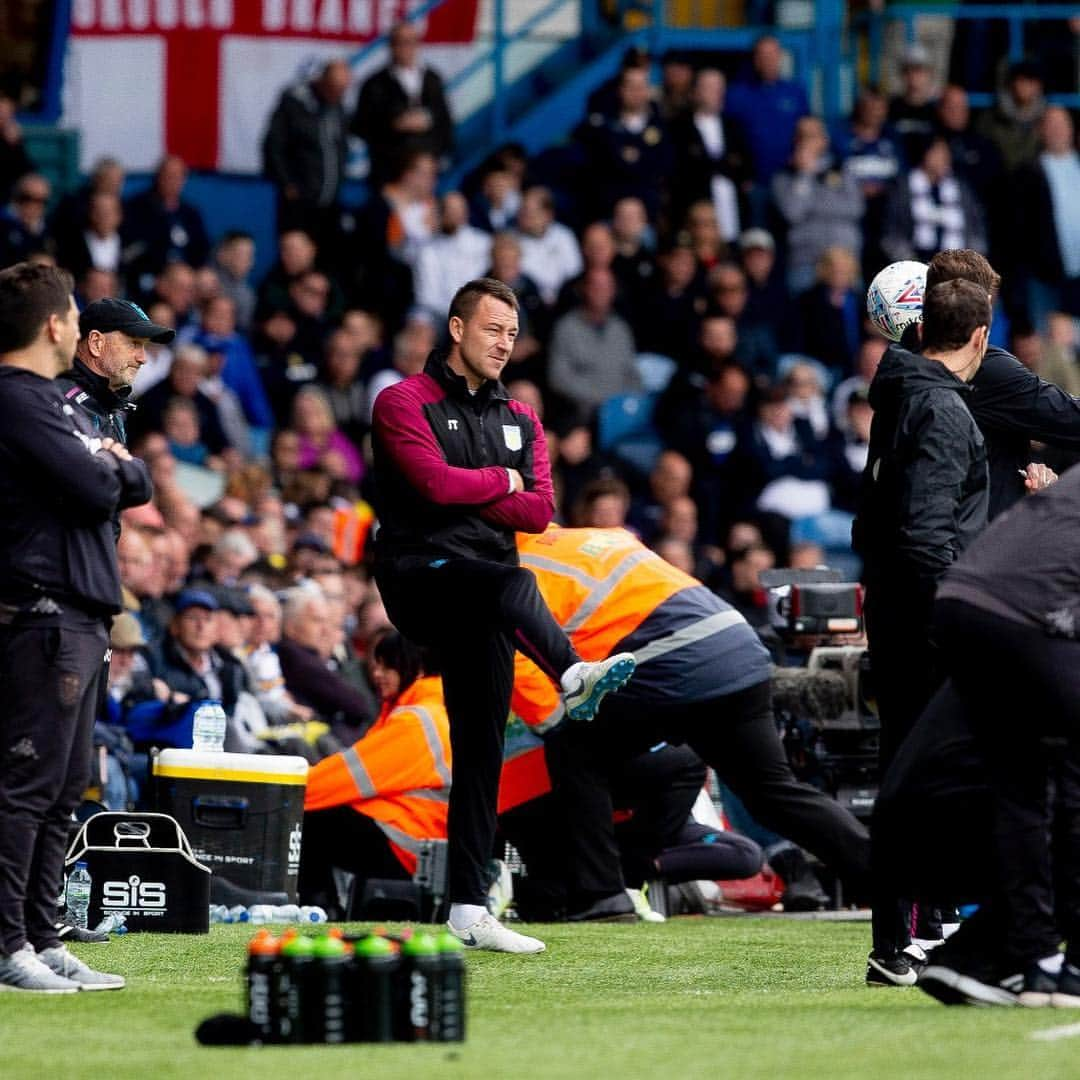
(549, 250)
(458, 253)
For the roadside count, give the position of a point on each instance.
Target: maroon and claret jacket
(441, 456)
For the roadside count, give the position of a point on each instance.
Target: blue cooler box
(242, 813)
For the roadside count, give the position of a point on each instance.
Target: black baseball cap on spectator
(234, 601)
(200, 598)
(110, 314)
(312, 542)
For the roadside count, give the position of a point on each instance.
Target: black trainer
(68, 933)
(1066, 994)
(1033, 989)
(616, 908)
(899, 969)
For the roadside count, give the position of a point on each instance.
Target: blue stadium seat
(624, 428)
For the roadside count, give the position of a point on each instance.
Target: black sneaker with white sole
(68, 933)
(898, 969)
(1034, 988)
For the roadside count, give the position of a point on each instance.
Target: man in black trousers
(60, 486)
(459, 468)
(925, 496)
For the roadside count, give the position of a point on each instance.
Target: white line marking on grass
(1068, 1031)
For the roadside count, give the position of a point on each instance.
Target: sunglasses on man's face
(30, 197)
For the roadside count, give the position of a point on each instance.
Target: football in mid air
(895, 297)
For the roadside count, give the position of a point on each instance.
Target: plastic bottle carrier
(141, 867)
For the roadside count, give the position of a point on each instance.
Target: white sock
(462, 916)
(1052, 964)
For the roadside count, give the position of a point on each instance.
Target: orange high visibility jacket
(601, 585)
(398, 774)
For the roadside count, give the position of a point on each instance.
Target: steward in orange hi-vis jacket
(702, 678)
(398, 774)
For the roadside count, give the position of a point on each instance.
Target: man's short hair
(468, 296)
(29, 294)
(952, 312)
(965, 264)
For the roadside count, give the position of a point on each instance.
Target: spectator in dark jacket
(925, 498)
(14, 160)
(304, 650)
(162, 227)
(911, 113)
(403, 108)
(23, 226)
(304, 151)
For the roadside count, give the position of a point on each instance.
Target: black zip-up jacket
(1012, 406)
(925, 489)
(105, 409)
(58, 495)
(441, 461)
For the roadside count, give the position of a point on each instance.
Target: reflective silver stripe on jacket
(434, 743)
(688, 635)
(399, 837)
(359, 774)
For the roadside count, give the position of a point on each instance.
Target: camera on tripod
(826, 708)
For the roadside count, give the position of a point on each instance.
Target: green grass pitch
(720, 998)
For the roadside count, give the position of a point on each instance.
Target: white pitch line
(1068, 1031)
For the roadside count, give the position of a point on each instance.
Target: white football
(895, 297)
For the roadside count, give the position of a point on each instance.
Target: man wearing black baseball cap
(112, 347)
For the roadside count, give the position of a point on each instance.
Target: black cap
(108, 315)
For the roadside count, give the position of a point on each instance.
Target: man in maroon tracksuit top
(459, 468)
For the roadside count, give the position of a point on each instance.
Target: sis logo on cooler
(148, 897)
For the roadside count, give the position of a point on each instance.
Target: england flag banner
(200, 78)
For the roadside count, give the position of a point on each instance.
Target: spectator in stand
(403, 108)
(597, 253)
(192, 665)
(768, 107)
(162, 227)
(671, 314)
(24, 229)
(670, 479)
(94, 285)
(304, 650)
(742, 588)
(263, 664)
(676, 86)
(1047, 221)
(913, 112)
(788, 465)
(729, 295)
(412, 347)
(1013, 125)
(634, 265)
(712, 152)
(822, 205)
(189, 368)
(342, 387)
(180, 425)
(603, 504)
(100, 244)
(233, 261)
(932, 210)
(628, 152)
(527, 360)
(175, 285)
(459, 252)
(550, 255)
(321, 444)
(592, 355)
(852, 450)
(769, 296)
(496, 206)
(707, 431)
(15, 162)
(866, 364)
(831, 313)
(803, 379)
(702, 231)
(106, 177)
(394, 225)
(870, 152)
(219, 336)
(975, 158)
(304, 152)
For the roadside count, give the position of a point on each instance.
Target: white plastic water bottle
(77, 896)
(219, 913)
(261, 914)
(208, 728)
(312, 914)
(238, 914)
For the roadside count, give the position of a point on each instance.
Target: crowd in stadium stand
(690, 269)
